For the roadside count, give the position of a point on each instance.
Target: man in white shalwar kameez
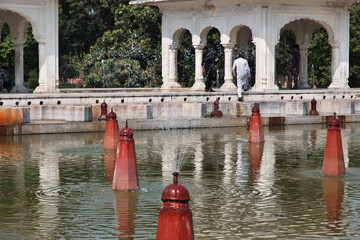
(241, 71)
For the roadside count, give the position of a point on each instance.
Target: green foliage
(129, 55)
(213, 38)
(186, 61)
(354, 76)
(283, 57)
(31, 54)
(319, 56)
(7, 54)
(33, 81)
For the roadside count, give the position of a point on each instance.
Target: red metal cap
(175, 192)
(255, 109)
(313, 100)
(334, 121)
(104, 104)
(126, 131)
(111, 114)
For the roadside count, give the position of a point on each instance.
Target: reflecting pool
(59, 186)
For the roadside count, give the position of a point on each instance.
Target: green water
(59, 186)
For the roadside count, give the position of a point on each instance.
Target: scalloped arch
(235, 30)
(205, 32)
(311, 25)
(178, 34)
(22, 15)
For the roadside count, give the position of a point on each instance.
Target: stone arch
(204, 33)
(178, 35)
(303, 28)
(18, 14)
(309, 24)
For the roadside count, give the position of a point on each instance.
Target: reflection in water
(228, 166)
(125, 209)
(56, 186)
(242, 167)
(255, 154)
(109, 160)
(333, 188)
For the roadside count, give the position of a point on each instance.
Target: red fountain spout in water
(103, 108)
(125, 174)
(333, 163)
(313, 111)
(175, 217)
(111, 138)
(216, 113)
(256, 134)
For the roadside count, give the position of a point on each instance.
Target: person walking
(208, 63)
(241, 71)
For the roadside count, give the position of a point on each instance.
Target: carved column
(19, 67)
(172, 83)
(228, 78)
(199, 78)
(335, 66)
(303, 71)
(42, 88)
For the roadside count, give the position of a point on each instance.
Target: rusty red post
(111, 138)
(109, 160)
(333, 188)
(125, 209)
(125, 174)
(216, 112)
(255, 154)
(256, 134)
(175, 217)
(313, 111)
(333, 163)
(103, 115)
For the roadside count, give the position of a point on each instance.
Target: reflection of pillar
(333, 188)
(173, 66)
(109, 160)
(19, 67)
(303, 72)
(199, 157)
(49, 186)
(228, 78)
(255, 154)
(168, 155)
(125, 208)
(345, 146)
(242, 168)
(227, 163)
(199, 78)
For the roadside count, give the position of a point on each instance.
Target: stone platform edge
(58, 127)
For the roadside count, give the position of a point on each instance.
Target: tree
(354, 76)
(319, 56)
(129, 55)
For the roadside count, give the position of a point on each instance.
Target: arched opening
(304, 55)
(7, 56)
(186, 60)
(19, 51)
(244, 46)
(213, 60)
(319, 60)
(284, 59)
(31, 59)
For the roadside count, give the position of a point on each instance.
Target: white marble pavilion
(262, 21)
(43, 16)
